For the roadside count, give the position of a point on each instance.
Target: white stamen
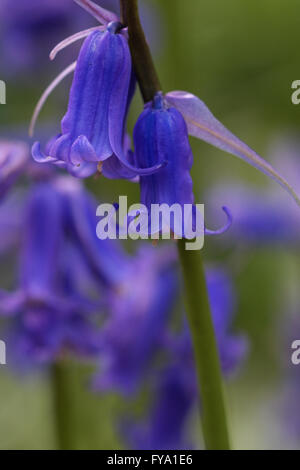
(46, 94)
(101, 14)
(71, 39)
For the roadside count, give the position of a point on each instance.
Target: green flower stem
(213, 414)
(141, 56)
(62, 404)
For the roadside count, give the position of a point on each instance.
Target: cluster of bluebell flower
(76, 294)
(93, 134)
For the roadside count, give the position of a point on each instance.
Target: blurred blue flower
(14, 157)
(174, 388)
(92, 129)
(11, 221)
(29, 28)
(139, 311)
(49, 315)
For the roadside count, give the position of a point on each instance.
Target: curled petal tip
(225, 227)
(41, 157)
(144, 171)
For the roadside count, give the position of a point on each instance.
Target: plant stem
(213, 414)
(63, 413)
(141, 56)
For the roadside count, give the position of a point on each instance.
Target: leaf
(202, 124)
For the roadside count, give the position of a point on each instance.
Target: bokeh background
(240, 58)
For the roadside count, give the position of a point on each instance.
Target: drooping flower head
(288, 404)
(28, 27)
(49, 312)
(93, 129)
(161, 137)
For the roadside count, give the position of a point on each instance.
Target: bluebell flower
(261, 216)
(93, 129)
(161, 137)
(202, 124)
(49, 314)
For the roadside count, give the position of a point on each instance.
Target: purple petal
(39, 156)
(223, 229)
(82, 170)
(161, 135)
(89, 97)
(112, 168)
(82, 150)
(203, 125)
(10, 303)
(121, 96)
